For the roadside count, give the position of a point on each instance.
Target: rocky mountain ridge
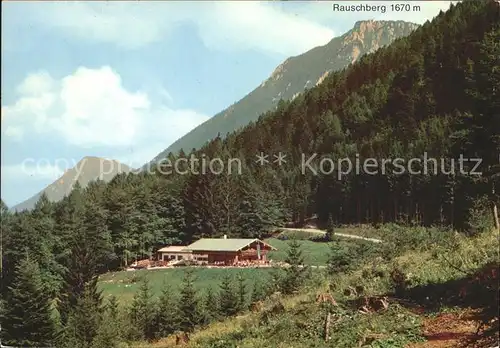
(293, 76)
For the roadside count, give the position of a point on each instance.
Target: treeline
(433, 92)
(436, 91)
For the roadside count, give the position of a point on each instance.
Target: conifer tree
(340, 258)
(28, 319)
(189, 307)
(330, 229)
(167, 313)
(110, 331)
(297, 273)
(142, 311)
(436, 91)
(211, 307)
(5, 217)
(258, 292)
(242, 294)
(84, 318)
(82, 272)
(228, 298)
(112, 307)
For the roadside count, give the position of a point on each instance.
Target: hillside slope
(431, 94)
(87, 170)
(293, 76)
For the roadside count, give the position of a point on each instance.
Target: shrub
(318, 238)
(341, 258)
(480, 218)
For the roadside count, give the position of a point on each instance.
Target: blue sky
(123, 80)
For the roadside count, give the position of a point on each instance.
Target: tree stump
(327, 326)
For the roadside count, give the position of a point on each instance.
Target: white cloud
(276, 27)
(221, 25)
(127, 25)
(91, 108)
(255, 25)
(14, 132)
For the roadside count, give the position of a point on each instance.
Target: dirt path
(451, 330)
(314, 230)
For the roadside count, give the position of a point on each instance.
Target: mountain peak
(89, 159)
(369, 35)
(88, 169)
(96, 162)
(381, 21)
(364, 21)
(372, 25)
(293, 77)
(96, 158)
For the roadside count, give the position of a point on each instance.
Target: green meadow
(315, 253)
(124, 284)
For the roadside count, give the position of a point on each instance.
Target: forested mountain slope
(435, 91)
(292, 77)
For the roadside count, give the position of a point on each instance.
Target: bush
(399, 239)
(480, 218)
(318, 238)
(299, 235)
(341, 258)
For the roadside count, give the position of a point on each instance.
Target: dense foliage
(436, 91)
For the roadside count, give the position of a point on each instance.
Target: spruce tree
(211, 307)
(242, 294)
(330, 229)
(167, 313)
(142, 311)
(5, 217)
(27, 319)
(296, 273)
(258, 292)
(340, 259)
(189, 307)
(81, 272)
(364, 250)
(275, 282)
(228, 298)
(84, 319)
(112, 307)
(110, 332)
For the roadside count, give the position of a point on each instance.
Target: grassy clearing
(366, 231)
(299, 234)
(301, 322)
(315, 254)
(124, 284)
